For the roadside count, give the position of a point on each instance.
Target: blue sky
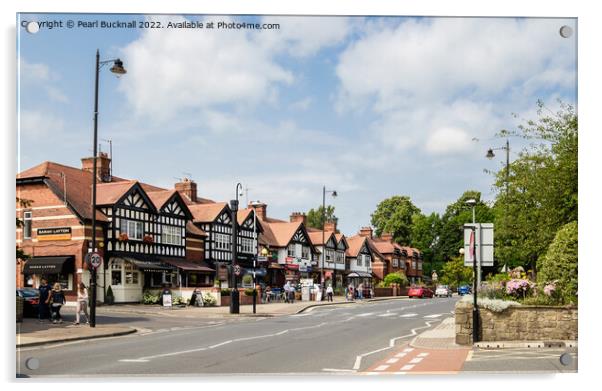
(371, 107)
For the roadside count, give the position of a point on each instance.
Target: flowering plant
(519, 287)
(123, 237)
(549, 289)
(148, 239)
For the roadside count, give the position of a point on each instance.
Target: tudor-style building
(359, 261)
(335, 247)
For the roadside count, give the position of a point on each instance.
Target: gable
(224, 217)
(135, 197)
(300, 237)
(177, 207)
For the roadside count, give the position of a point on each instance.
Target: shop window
(66, 280)
(115, 277)
(27, 225)
(131, 278)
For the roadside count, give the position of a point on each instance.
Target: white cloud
(38, 125)
(448, 140)
(30, 72)
(422, 76)
(302, 104)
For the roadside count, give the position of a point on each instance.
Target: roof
(206, 212)
(193, 229)
(316, 237)
(355, 245)
(110, 192)
(159, 198)
(279, 234)
(384, 246)
(77, 182)
(242, 215)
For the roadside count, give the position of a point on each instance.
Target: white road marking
(407, 350)
(133, 360)
(400, 355)
(432, 316)
(388, 314)
(337, 370)
(407, 315)
(416, 360)
(423, 354)
(381, 367)
(366, 314)
(406, 367)
(302, 314)
(392, 360)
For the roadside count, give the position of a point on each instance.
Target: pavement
(31, 332)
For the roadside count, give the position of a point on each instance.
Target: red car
(420, 291)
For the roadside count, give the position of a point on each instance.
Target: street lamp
(118, 69)
(334, 195)
(490, 155)
(255, 253)
(234, 298)
(472, 202)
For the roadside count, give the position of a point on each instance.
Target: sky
(368, 106)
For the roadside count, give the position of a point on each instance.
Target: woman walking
(82, 303)
(56, 299)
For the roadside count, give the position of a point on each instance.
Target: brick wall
(524, 323)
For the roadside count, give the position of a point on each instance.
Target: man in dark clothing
(43, 311)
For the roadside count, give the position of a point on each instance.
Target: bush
(494, 305)
(209, 301)
(249, 292)
(179, 300)
(559, 265)
(225, 291)
(150, 298)
(519, 288)
(247, 279)
(395, 278)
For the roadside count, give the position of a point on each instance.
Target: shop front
(275, 276)
(59, 269)
(129, 277)
(192, 274)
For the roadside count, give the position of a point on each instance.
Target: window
(171, 235)
(131, 276)
(395, 262)
(291, 250)
(133, 229)
(305, 252)
(359, 259)
(414, 265)
(419, 265)
(222, 241)
(26, 225)
(247, 245)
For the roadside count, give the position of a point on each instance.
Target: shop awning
(275, 265)
(151, 266)
(359, 275)
(189, 266)
(49, 265)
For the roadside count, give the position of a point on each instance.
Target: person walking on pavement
(329, 292)
(82, 303)
(351, 293)
(360, 291)
(43, 311)
(292, 293)
(56, 299)
(287, 291)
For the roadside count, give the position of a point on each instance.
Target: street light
(255, 253)
(472, 202)
(118, 69)
(234, 298)
(334, 195)
(490, 155)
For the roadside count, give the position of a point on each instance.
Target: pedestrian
(329, 292)
(360, 291)
(292, 293)
(287, 291)
(82, 303)
(56, 299)
(351, 292)
(43, 311)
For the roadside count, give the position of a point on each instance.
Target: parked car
(31, 300)
(443, 291)
(420, 291)
(464, 290)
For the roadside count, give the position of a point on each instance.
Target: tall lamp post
(118, 69)
(255, 255)
(234, 298)
(334, 194)
(490, 155)
(472, 202)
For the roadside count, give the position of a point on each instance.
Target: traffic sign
(237, 270)
(479, 244)
(94, 260)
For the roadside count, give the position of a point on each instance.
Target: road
(333, 339)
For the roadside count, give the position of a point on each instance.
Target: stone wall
(524, 323)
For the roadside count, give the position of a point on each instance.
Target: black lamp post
(118, 69)
(234, 298)
(490, 155)
(334, 194)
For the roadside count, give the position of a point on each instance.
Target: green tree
(559, 264)
(394, 215)
(540, 193)
(457, 214)
(315, 217)
(395, 278)
(454, 273)
(425, 237)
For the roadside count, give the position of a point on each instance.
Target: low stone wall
(524, 323)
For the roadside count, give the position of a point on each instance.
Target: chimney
(366, 232)
(298, 216)
(261, 209)
(386, 236)
(188, 188)
(330, 225)
(103, 166)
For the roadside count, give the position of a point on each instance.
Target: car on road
(443, 291)
(31, 300)
(464, 290)
(420, 291)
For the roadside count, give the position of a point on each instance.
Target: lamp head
(118, 68)
(461, 251)
(490, 155)
(264, 252)
(471, 202)
(334, 193)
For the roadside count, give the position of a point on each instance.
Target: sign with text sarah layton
(54, 233)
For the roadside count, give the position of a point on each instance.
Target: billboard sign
(482, 243)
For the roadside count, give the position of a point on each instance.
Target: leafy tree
(539, 195)
(23, 203)
(559, 264)
(457, 214)
(315, 217)
(395, 278)
(455, 273)
(425, 237)
(395, 215)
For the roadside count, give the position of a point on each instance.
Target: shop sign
(55, 233)
(292, 267)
